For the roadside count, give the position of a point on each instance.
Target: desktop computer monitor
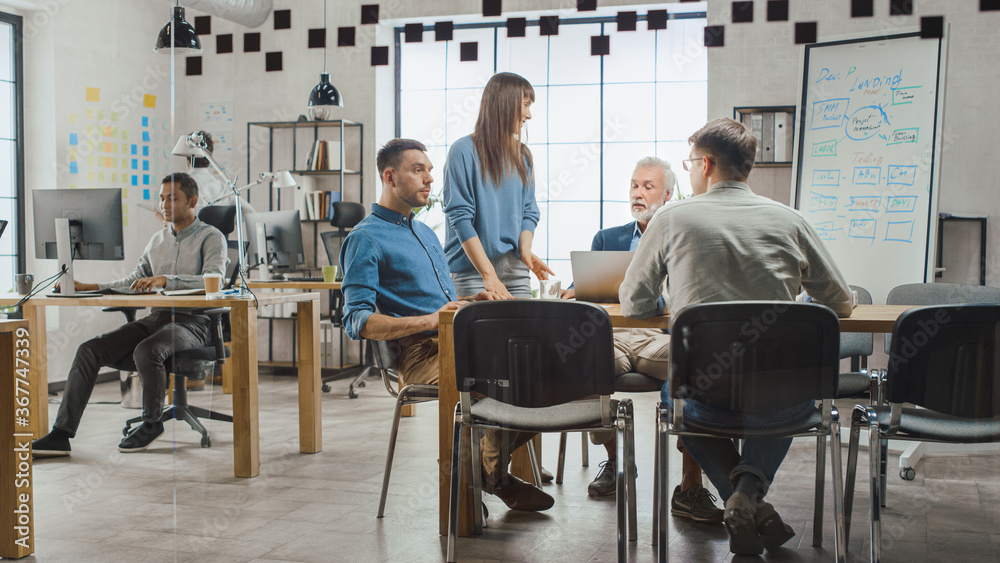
(282, 231)
(78, 225)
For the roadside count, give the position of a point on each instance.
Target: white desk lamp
(195, 145)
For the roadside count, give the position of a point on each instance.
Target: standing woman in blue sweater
(489, 197)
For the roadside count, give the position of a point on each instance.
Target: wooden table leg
(39, 369)
(310, 406)
(17, 537)
(447, 398)
(246, 421)
(227, 374)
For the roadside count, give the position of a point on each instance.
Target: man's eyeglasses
(688, 162)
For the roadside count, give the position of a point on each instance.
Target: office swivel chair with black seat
(346, 214)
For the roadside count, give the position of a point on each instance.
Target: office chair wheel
(907, 473)
(325, 387)
(351, 394)
(206, 441)
(361, 383)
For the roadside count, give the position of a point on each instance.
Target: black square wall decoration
(517, 27)
(600, 45)
(224, 43)
(193, 66)
(444, 31)
(805, 32)
(742, 12)
(282, 19)
(251, 42)
(380, 56)
(586, 5)
(272, 61)
(317, 38)
(932, 27)
(492, 8)
(627, 21)
(548, 25)
(715, 36)
(413, 32)
(369, 14)
(345, 36)
(862, 8)
(777, 10)
(656, 19)
(900, 7)
(989, 5)
(203, 25)
(469, 51)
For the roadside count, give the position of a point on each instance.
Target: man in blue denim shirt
(396, 281)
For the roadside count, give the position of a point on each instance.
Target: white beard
(645, 215)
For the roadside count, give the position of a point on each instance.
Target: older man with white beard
(647, 351)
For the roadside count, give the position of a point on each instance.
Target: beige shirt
(730, 244)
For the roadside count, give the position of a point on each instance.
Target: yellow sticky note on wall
(93, 94)
(114, 116)
(124, 220)
(149, 101)
(90, 176)
(124, 138)
(124, 190)
(90, 130)
(90, 160)
(72, 154)
(100, 176)
(100, 115)
(72, 119)
(114, 178)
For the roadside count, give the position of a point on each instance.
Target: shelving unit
(279, 136)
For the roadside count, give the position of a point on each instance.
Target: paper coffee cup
(329, 274)
(213, 283)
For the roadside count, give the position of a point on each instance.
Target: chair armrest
(129, 312)
(216, 315)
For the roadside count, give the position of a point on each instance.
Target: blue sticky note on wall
(145, 151)
(145, 121)
(145, 136)
(135, 164)
(145, 179)
(73, 168)
(135, 180)
(72, 139)
(145, 194)
(135, 149)
(145, 165)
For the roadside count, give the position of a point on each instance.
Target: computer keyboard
(300, 278)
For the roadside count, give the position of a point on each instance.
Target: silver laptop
(597, 274)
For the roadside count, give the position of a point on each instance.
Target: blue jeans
(719, 457)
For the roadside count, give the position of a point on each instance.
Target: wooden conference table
(243, 317)
(865, 318)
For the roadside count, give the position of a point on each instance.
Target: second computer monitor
(283, 232)
(95, 222)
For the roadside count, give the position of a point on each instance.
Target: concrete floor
(180, 502)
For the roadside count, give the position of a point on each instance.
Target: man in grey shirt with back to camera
(729, 244)
(176, 257)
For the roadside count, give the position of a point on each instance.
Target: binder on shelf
(783, 136)
(332, 197)
(767, 136)
(757, 130)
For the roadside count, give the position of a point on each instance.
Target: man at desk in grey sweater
(729, 244)
(176, 257)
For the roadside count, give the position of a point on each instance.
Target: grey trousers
(151, 341)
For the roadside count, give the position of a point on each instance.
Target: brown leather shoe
(518, 494)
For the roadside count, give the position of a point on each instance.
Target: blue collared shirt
(636, 235)
(394, 264)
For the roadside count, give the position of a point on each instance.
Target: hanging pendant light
(325, 96)
(179, 34)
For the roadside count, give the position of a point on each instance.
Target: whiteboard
(867, 155)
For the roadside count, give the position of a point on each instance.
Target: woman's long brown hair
(495, 137)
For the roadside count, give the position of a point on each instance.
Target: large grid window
(11, 161)
(592, 119)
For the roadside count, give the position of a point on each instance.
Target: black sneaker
(697, 504)
(743, 536)
(140, 438)
(53, 444)
(606, 482)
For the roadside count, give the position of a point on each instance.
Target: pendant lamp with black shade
(179, 34)
(325, 96)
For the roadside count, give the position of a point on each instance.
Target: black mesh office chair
(196, 363)
(946, 361)
(716, 361)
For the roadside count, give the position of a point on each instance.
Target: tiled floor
(179, 502)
